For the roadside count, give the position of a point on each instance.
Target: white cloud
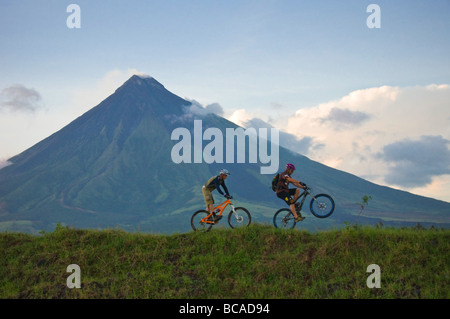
(4, 163)
(242, 116)
(246, 119)
(357, 128)
(199, 109)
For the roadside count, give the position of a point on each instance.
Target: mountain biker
(285, 193)
(214, 183)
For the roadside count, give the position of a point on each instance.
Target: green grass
(256, 262)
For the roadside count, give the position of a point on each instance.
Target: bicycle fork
(238, 217)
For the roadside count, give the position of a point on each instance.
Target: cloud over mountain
(4, 163)
(199, 109)
(289, 141)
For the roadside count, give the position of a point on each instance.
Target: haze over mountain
(112, 167)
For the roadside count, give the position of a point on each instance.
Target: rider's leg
(209, 200)
(297, 194)
(287, 197)
(293, 210)
(293, 195)
(294, 200)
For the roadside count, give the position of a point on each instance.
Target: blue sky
(268, 59)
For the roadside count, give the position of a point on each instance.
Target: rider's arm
(295, 182)
(217, 185)
(225, 189)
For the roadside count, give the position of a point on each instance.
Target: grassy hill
(256, 262)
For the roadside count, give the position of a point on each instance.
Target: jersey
(283, 184)
(214, 183)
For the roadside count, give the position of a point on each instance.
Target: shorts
(209, 200)
(287, 195)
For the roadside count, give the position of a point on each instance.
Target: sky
(372, 101)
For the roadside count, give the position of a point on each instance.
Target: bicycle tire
(322, 206)
(244, 214)
(284, 219)
(196, 223)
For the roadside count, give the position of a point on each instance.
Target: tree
(365, 202)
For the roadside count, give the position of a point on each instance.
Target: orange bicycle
(202, 220)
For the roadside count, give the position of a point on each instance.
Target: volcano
(112, 167)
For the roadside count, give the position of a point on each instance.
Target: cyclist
(214, 183)
(285, 193)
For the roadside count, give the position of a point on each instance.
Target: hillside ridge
(255, 262)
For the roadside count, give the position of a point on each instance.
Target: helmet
(224, 172)
(290, 166)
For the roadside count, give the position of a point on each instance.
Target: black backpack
(275, 182)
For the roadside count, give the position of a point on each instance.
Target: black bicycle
(321, 206)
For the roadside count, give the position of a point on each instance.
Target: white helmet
(224, 172)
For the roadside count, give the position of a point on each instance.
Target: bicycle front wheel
(239, 218)
(284, 219)
(198, 222)
(322, 206)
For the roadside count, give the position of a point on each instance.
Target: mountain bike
(321, 206)
(202, 220)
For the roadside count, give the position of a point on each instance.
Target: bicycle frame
(303, 197)
(222, 209)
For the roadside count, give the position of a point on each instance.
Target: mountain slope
(112, 166)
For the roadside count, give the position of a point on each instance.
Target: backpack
(275, 182)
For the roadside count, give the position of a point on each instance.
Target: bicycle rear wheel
(196, 221)
(284, 219)
(240, 218)
(322, 206)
